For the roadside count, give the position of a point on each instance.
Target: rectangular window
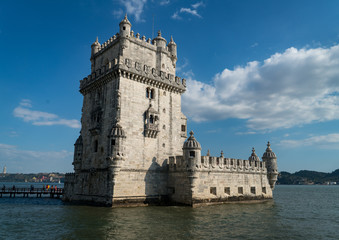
(240, 190)
(253, 190)
(264, 190)
(192, 154)
(213, 190)
(183, 128)
(113, 142)
(228, 190)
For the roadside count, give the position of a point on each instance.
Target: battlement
(218, 164)
(135, 71)
(151, 44)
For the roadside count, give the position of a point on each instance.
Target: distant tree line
(308, 177)
(32, 177)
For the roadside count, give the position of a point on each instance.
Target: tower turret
(270, 160)
(77, 160)
(172, 48)
(95, 47)
(192, 152)
(125, 27)
(116, 137)
(254, 156)
(159, 41)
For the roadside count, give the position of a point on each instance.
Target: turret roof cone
(269, 153)
(125, 21)
(191, 142)
(172, 42)
(254, 156)
(96, 42)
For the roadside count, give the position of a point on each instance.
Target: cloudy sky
(256, 71)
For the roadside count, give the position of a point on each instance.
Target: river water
(297, 212)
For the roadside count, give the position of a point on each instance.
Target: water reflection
(298, 212)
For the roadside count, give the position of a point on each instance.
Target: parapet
(218, 164)
(133, 70)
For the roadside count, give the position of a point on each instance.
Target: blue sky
(256, 71)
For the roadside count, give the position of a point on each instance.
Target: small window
(164, 127)
(147, 92)
(151, 119)
(202, 161)
(213, 190)
(113, 142)
(164, 110)
(253, 190)
(240, 190)
(163, 145)
(96, 144)
(183, 128)
(164, 93)
(228, 190)
(192, 154)
(152, 94)
(264, 190)
(124, 28)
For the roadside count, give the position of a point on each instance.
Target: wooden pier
(35, 192)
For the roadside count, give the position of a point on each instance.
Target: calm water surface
(297, 212)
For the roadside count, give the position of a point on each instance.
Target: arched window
(147, 93)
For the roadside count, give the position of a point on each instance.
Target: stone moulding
(87, 85)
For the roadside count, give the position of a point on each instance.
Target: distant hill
(308, 177)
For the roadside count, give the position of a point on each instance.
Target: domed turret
(159, 41)
(192, 152)
(254, 156)
(270, 160)
(125, 27)
(95, 47)
(116, 136)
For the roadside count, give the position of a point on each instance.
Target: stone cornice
(144, 75)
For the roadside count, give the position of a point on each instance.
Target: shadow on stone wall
(155, 183)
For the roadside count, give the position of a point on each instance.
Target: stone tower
(270, 159)
(132, 149)
(131, 121)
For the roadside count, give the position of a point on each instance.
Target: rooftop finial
(208, 152)
(253, 150)
(159, 33)
(97, 40)
(222, 154)
(268, 144)
(171, 39)
(191, 133)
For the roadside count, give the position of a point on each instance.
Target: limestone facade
(132, 149)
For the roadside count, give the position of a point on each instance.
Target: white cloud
(192, 11)
(164, 2)
(323, 141)
(118, 13)
(296, 87)
(134, 8)
(198, 4)
(176, 16)
(18, 160)
(39, 118)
